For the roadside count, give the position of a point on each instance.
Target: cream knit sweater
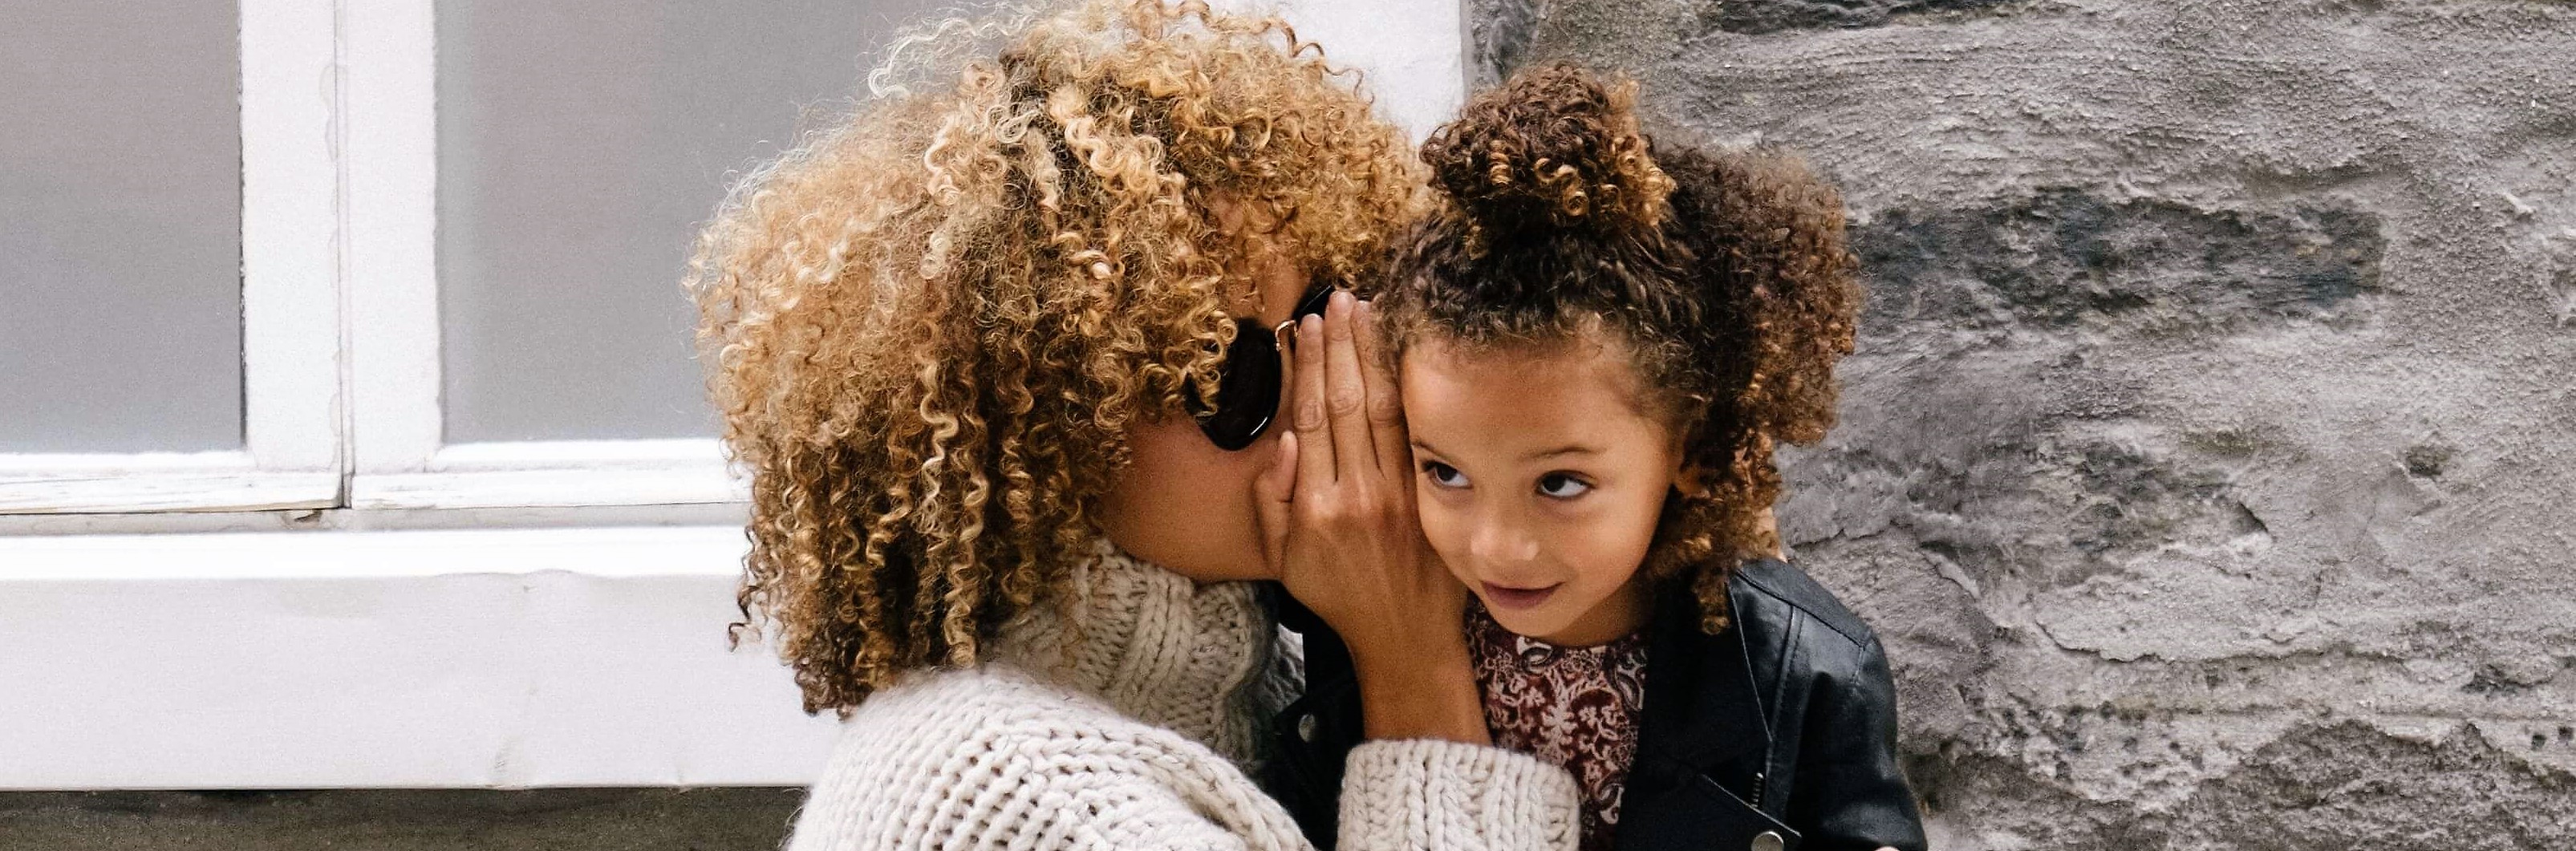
(1130, 728)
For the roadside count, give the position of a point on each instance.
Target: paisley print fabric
(1574, 707)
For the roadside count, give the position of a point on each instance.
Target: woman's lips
(1505, 597)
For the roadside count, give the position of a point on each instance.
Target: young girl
(1599, 340)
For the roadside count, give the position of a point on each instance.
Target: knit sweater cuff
(1433, 795)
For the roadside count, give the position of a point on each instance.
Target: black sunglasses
(1247, 385)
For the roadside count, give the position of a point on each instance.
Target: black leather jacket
(1777, 735)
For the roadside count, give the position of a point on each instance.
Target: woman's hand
(1339, 524)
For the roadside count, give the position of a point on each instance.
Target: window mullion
(290, 221)
(391, 125)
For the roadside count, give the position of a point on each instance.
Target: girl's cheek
(1440, 528)
(1614, 547)
(1601, 557)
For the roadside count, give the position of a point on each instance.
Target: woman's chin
(1241, 569)
(1199, 558)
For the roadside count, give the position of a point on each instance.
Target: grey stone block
(1762, 16)
(2143, 267)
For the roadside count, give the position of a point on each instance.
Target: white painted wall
(1412, 51)
(490, 658)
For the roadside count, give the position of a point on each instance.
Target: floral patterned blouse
(1575, 707)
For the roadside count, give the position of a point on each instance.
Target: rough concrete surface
(2209, 459)
(399, 820)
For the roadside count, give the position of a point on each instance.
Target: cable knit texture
(1127, 721)
(1422, 793)
(1160, 648)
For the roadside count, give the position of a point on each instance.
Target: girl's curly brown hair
(932, 324)
(1724, 273)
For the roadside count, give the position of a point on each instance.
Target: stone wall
(2209, 459)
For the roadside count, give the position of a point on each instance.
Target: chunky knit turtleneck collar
(1196, 658)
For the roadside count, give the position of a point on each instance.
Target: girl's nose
(1501, 540)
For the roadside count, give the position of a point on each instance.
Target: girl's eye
(1444, 475)
(1563, 485)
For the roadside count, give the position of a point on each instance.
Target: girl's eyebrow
(1568, 449)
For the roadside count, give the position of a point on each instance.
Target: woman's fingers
(1346, 386)
(1307, 415)
(1385, 400)
(1274, 492)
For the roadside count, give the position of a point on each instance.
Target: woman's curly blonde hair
(932, 324)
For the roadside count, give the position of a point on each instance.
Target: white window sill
(449, 658)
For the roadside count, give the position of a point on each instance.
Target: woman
(997, 352)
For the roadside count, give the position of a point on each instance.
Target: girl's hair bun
(1554, 147)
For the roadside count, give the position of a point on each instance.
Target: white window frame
(401, 459)
(341, 352)
(293, 438)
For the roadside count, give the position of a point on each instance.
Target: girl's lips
(1518, 598)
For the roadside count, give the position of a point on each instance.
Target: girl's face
(1541, 473)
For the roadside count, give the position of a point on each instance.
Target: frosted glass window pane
(580, 142)
(120, 226)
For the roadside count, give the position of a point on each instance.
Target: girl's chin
(1556, 620)
(1525, 623)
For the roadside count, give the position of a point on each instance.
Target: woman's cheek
(1186, 505)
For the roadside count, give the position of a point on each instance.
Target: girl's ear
(1688, 479)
